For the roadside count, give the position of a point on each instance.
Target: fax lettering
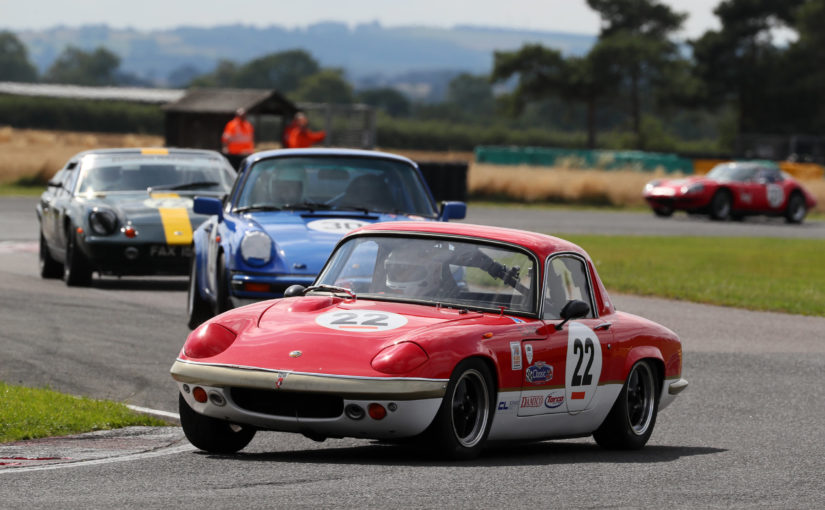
(162, 251)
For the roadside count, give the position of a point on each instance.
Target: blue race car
(284, 215)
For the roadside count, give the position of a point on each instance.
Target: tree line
(637, 87)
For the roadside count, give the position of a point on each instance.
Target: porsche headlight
(102, 221)
(256, 248)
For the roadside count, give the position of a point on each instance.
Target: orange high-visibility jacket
(297, 137)
(238, 137)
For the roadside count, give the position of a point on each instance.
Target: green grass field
(28, 413)
(782, 275)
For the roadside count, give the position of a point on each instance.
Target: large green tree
(472, 95)
(388, 99)
(544, 72)
(78, 67)
(327, 86)
(283, 71)
(14, 60)
(635, 41)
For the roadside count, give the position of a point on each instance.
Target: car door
(562, 371)
(61, 204)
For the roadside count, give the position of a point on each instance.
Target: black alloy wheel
(49, 267)
(630, 422)
(76, 270)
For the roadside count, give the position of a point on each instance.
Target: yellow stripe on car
(176, 224)
(155, 150)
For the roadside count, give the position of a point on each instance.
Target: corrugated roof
(228, 100)
(132, 94)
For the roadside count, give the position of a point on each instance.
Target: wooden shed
(197, 119)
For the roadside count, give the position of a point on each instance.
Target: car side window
(566, 279)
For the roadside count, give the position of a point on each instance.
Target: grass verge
(755, 273)
(30, 413)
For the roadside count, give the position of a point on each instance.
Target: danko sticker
(361, 321)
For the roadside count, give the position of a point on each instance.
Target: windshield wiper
(311, 206)
(331, 288)
(365, 210)
(188, 185)
(257, 207)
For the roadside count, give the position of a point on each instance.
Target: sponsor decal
(745, 197)
(577, 395)
(361, 321)
(336, 226)
(280, 380)
(515, 355)
(539, 373)
(554, 400)
(528, 352)
(516, 320)
(505, 406)
(776, 195)
(532, 401)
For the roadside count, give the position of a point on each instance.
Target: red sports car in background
(734, 189)
(453, 333)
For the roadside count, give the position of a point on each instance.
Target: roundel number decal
(336, 226)
(776, 195)
(583, 368)
(361, 321)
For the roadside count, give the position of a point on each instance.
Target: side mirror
(453, 211)
(574, 309)
(294, 290)
(54, 184)
(209, 206)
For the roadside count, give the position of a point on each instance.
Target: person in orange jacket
(297, 133)
(238, 137)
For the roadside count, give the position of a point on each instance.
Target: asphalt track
(747, 433)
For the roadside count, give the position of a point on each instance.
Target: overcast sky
(556, 15)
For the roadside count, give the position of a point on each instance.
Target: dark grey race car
(126, 211)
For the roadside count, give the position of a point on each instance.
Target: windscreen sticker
(361, 321)
(336, 226)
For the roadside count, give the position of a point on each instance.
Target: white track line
(154, 412)
(109, 460)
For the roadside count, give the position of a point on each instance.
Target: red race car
(453, 333)
(734, 190)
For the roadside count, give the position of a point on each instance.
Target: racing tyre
(222, 301)
(460, 428)
(663, 211)
(76, 270)
(630, 422)
(49, 268)
(796, 211)
(212, 435)
(720, 206)
(198, 310)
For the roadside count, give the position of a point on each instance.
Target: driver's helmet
(412, 273)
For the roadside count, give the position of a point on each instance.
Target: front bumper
(678, 202)
(134, 258)
(311, 404)
(257, 287)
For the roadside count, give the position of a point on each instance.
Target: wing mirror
(574, 309)
(209, 206)
(453, 211)
(294, 290)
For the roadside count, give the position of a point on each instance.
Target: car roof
(328, 152)
(540, 244)
(149, 151)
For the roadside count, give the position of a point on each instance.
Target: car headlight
(696, 187)
(256, 248)
(649, 186)
(102, 221)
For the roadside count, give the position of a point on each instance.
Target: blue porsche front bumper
(248, 287)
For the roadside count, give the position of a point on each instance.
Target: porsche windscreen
(105, 173)
(335, 183)
(449, 272)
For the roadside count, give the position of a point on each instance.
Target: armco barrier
(603, 159)
(447, 180)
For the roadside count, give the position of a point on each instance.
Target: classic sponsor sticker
(515, 355)
(361, 321)
(539, 373)
(336, 226)
(528, 352)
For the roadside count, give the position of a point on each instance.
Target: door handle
(604, 326)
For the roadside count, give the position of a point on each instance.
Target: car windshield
(335, 183)
(169, 172)
(733, 172)
(450, 272)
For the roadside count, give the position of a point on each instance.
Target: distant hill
(370, 54)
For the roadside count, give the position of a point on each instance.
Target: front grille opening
(286, 403)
